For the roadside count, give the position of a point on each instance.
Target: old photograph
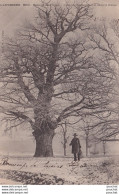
(59, 92)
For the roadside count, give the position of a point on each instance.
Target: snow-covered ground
(57, 170)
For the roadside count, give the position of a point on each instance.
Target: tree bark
(44, 127)
(104, 148)
(86, 145)
(44, 145)
(65, 149)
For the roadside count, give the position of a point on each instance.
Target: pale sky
(13, 16)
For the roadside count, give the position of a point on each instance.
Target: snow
(30, 170)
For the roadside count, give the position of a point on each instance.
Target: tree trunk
(64, 149)
(86, 145)
(44, 145)
(65, 138)
(104, 148)
(43, 129)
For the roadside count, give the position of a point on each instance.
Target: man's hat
(75, 134)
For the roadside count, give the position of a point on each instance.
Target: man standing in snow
(76, 147)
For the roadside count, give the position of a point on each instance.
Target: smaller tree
(104, 147)
(65, 137)
(86, 131)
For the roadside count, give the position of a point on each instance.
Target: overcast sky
(12, 16)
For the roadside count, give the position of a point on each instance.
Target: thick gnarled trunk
(44, 145)
(44, 126)
(43, 134)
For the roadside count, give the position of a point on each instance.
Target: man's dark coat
(75, 145)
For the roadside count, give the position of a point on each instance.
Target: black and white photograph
(59, 92)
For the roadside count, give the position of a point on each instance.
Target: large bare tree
(49, 73)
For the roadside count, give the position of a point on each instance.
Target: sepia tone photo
(59, 92)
